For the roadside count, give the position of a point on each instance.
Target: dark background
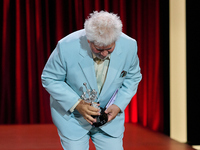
(193, 71)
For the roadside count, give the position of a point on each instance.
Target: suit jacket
(71, 64)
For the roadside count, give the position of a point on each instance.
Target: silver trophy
(89, 97)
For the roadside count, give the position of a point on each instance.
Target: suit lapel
(87, 65)
(115, 61)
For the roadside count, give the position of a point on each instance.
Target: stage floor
(45, 137)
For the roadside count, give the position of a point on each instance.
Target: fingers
(87, 111)
(91, 111)
(110, 116)
(112, 112)
(90, 119)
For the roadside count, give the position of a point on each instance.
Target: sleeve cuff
(73, 107)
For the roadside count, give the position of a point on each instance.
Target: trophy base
(101, 119)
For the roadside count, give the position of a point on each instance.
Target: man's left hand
(112, 112)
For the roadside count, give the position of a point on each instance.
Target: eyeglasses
(100, 49)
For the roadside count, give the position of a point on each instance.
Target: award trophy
(89, 97)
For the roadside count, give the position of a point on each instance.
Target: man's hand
(112, 112)
(86, 110)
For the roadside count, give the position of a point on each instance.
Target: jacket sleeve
(53, 80)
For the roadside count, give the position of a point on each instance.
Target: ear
(88, 41)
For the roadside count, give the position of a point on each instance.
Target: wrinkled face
(102, 52)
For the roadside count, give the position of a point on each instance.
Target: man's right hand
(87, 111)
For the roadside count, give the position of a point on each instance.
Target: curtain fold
(30, 30)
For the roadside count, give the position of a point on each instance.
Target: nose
(104, 53)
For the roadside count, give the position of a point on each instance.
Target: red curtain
(30, 30)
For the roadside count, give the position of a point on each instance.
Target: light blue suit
(71, 64)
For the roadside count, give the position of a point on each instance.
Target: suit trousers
(101, 140)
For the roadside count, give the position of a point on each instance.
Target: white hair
(103, 28)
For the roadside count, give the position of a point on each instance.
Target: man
(73, 62)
